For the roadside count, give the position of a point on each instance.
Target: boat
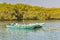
(25, 26)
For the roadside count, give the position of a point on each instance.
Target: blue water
(39, 34)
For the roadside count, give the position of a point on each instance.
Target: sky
(44, 3)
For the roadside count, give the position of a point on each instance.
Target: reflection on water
(28, 35)
(39, 34)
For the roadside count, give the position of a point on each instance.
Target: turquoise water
(50, 31)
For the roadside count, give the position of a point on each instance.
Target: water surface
(50, 31)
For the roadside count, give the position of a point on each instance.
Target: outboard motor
(37, 26)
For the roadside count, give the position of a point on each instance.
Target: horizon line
(28, 4)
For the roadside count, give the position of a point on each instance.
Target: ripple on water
(46, 34)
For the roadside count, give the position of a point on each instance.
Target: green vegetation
(27, 12)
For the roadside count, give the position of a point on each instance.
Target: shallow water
(50, 31)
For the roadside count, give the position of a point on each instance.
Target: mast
(23, 19)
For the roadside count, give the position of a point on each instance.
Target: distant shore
(12, 12)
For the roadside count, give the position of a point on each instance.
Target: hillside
(27, 12)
